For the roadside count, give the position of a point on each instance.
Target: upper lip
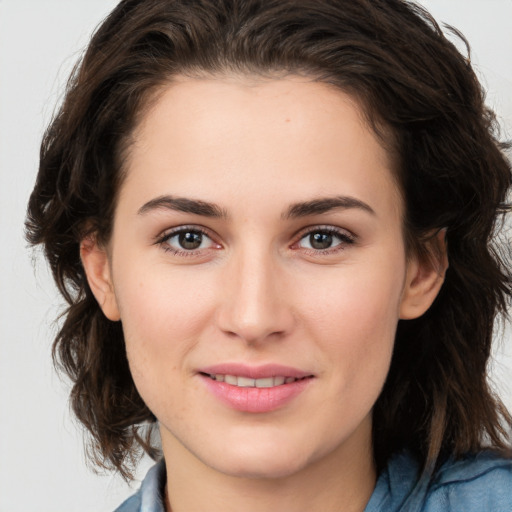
(254, 372)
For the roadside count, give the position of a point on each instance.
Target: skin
(256, 290)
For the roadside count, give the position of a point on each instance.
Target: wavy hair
(422, 98)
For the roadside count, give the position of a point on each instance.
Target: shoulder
(475, 483)
(132, 504)
(150, 496)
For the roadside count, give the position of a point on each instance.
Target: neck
(343, 479)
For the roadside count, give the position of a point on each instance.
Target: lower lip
(256, 399)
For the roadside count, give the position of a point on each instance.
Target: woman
(273, 224)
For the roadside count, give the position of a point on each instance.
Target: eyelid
(326, 228)
(167, 234)
(346, 237)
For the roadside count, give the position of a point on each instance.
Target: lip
(253, 399)
(255, 372)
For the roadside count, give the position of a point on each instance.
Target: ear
(425, 276)
(97, 269)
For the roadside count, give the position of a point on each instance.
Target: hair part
(424, 102)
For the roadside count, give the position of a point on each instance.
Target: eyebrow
(296, 210)
(324, 205)
(183, 204)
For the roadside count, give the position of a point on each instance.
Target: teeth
(245, 382)
(266, 383)
(231, 379)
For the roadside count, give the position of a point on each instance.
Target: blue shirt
(481, 483)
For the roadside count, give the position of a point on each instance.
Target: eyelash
(345, 238)
(163, 240)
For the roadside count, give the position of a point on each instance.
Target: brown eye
(320, 240)
(187, 240)
(325, 239)
(190, 240)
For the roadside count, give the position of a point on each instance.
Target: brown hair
(423, 99)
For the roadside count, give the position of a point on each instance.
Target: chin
(271, 468)
(260, 458)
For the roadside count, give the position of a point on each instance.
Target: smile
(246, 382)
(256, 393)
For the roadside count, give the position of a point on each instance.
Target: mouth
(247, 382)
(255, 389)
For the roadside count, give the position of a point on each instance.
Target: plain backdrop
(42, 463)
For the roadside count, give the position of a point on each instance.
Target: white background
(42, 466)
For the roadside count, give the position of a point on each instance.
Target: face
(257, 265)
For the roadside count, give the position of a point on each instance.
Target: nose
(256, 304)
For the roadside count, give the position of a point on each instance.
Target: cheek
(160, 302)
(357, 305)
(162, 314)
(355, 323)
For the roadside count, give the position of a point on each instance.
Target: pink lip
(254, 372)
(255, 400)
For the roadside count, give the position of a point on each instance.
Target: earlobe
(425, 276)
(97, 269)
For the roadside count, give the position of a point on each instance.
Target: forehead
(294, 135)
